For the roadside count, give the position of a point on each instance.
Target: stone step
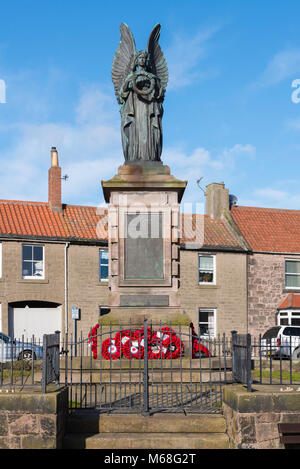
(87, 421)
(156, 378)
(86, 364)
(147, 441)
(89, 430)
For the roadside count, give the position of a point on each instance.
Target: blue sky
(228, 115)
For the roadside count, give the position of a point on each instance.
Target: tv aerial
(198, 184)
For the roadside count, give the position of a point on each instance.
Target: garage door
(29, 321)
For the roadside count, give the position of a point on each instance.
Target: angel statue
(140, 79)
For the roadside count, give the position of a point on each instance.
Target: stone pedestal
(144, 230)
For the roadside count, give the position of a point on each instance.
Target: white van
(281, 341)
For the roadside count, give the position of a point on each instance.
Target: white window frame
(285, 274)
(103, 279)
(33, 277)
(287, 314)
(208, 310)
(214, 269)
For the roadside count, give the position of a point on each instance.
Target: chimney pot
(54, 157)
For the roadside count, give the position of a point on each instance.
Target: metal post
(249, 378)
(233, 353)
(57, 359)
(44, 369)
(146, 376)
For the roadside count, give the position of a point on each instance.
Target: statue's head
(142, 60)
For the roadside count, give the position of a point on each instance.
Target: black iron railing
(51, 360)
(169, 368)
(20, 362)
(147, 367)
(241, 359)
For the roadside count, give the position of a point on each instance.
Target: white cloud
(89, 151)
(271, 194)
(285, 64)
(96, 106)
(273, 198)
(201, 163)
(293, 124)
(183, 58)
(89, 148)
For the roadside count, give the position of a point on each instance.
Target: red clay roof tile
(291, 301)
(82, 223)
(269, 230)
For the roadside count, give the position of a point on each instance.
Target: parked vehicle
(11, 349)
(281, 341)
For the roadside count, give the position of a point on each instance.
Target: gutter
(52, 239)
(66, 289)
(204, 247)
(278, 253)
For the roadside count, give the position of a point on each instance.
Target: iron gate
(146, 368)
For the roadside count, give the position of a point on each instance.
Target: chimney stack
(217, 199)
(54, 183)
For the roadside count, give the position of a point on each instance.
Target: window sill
(207, 285)
(32, 280)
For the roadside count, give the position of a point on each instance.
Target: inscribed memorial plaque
(144, 246)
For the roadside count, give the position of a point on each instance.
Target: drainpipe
(66, 289)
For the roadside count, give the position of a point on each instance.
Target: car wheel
(296, 354)
(26, 355)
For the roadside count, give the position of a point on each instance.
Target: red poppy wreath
(110, 350)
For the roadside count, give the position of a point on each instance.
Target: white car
(281, 341)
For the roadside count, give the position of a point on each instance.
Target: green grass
(276, 375)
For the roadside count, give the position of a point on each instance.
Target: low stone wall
(252, 418)
(32, 420)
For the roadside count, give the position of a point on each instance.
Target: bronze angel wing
(157, 60)
(123, 60)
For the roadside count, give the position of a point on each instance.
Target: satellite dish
(233, 200)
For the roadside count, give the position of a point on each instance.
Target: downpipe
(66, 289)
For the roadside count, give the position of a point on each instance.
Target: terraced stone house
(54, 258)
(272, 240)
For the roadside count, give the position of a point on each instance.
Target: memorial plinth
(144, 232)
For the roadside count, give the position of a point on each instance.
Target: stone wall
(228, 296)
(86, 291)
(84, 287)
(266, 290)
(32, 420)
(252, 418)
(14, 288)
